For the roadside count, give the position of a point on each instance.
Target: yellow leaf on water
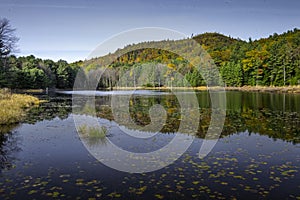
(159, 196)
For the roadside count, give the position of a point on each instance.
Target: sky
(71, 30)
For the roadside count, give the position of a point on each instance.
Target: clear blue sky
(72, 29)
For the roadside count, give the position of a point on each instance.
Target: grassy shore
(13, 106)
(286, 89)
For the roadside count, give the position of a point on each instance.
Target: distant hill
(268, 61)
(215, 40)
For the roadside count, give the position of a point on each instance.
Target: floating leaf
(55, 194)
(159, 196)
(32, 192)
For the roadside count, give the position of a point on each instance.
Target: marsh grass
(13, 106)
(93, 134)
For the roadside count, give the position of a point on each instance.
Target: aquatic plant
(93, 134)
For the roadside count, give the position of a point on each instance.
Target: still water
(256, 157)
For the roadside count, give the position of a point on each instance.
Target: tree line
(34, 73)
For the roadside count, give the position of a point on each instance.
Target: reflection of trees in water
(240, 116)
(7, 128)
(274, 124)
(57, 106)
(8, 148)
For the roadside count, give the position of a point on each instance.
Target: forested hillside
(272, 61)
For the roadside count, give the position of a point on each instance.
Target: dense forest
(34, 73)
(272, 61)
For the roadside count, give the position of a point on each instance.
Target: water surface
(257, 156)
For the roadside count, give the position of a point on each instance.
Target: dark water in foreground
(257, 156)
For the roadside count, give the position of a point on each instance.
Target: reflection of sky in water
(116, 92)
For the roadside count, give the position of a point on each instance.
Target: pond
(256, 157)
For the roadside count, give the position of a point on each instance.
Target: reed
(92, 132)
(13, 106)
(93, 135)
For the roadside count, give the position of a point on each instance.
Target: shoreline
(271, 89)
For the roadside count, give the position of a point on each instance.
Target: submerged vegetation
(13, 106)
